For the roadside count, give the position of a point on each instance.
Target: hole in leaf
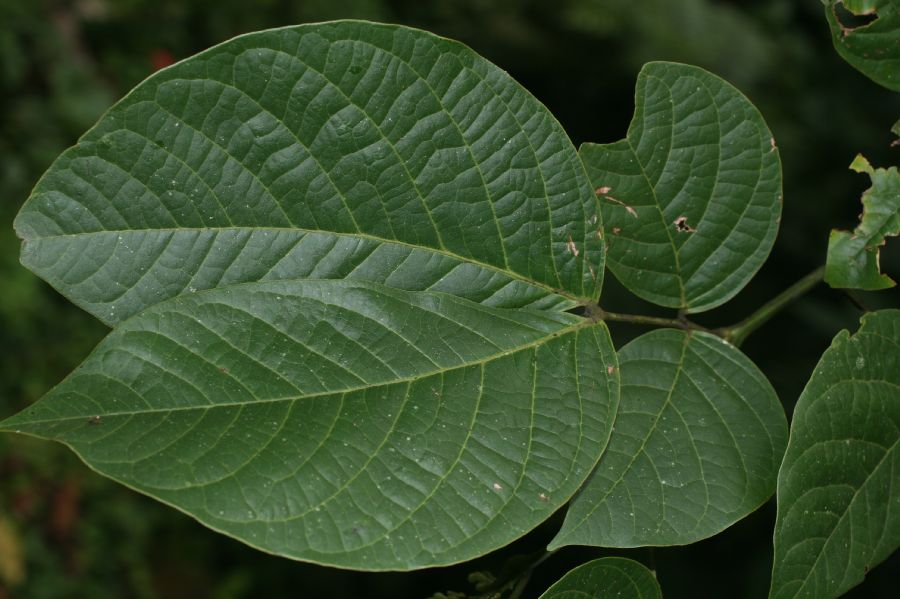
(682, 226)
(578, 311)
(850, 19)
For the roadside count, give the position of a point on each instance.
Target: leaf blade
(450, 430)
(692, 195)
(696, 446)
(365, 137)
(836, 501)
(606, 577)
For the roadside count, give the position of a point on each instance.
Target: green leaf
(326, 151)
(871, 47)
(691, 198)
(696, 446)
(838, 497)
(343, 422)
(606, 577)
(853, 257)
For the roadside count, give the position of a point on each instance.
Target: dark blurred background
(66, 532)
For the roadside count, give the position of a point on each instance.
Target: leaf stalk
(736, 334)
(598, 313)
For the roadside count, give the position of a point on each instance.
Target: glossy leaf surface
(696, 446)
(606, 577)
(341, 422)
(336, 150)
(691, 198)
(853, 258)
(838, 497)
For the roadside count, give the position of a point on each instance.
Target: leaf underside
(691, 198)
(336, 150)
(697, 442)
(338, 260)
(872, 48)
(853, 258)
(606, 577)
(341, 422)
(838, 498)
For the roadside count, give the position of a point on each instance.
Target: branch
(598, 313)
(737, 333)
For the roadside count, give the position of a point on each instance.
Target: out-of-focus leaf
(606, 577)
(696, 446)
(872, 47)
(12, 562)
(853, 257)
(838, 492)
(691, 198)
(343, 422)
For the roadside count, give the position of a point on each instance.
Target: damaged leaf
(853, 258)
(872, 45)
(692, 195)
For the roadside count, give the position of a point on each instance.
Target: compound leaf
(336, 150)
(873, 46)
(853, 257)
(691, 198)
(344, 422)
(606, 577)
(696, 446)
(838, 497)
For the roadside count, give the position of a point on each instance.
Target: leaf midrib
(650, 431)
(307, 231)
(403, 380)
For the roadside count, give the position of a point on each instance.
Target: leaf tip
(861, 165)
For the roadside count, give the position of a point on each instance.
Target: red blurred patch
(160, 58)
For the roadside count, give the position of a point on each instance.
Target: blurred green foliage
(66, 532)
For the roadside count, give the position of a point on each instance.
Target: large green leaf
(838, 492)
(691, 198)
(853, 257)
(344, 422)
(336, 150)
(696, 446)
(873, 48)
(606, 577)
